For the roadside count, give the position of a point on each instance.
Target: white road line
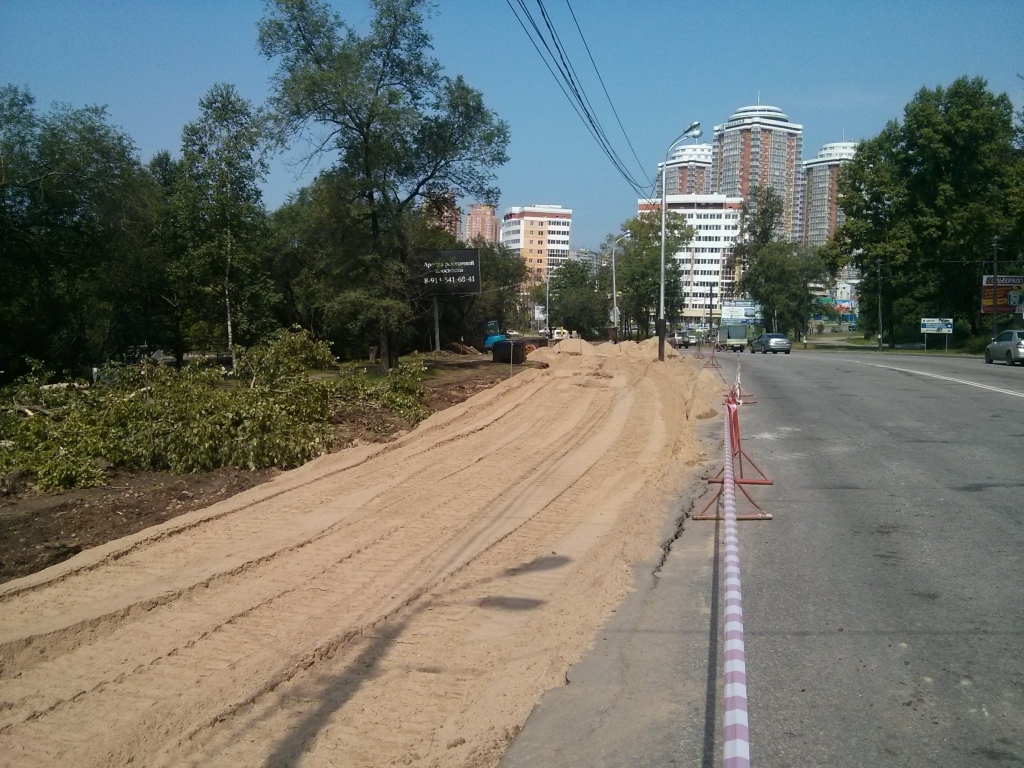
(1012, 392)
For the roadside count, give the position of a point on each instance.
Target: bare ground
(391, 604)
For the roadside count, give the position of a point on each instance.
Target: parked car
(771, 342)
(1008, 346)
(679, 340)
(691, 337)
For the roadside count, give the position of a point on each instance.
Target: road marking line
(989, 387)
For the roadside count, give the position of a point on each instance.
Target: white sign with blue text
(936, 325)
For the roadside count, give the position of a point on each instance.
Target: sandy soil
(391, 604)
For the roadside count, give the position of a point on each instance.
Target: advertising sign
(451, 273)
(741, 312)
(936, 325)
(1009, 294)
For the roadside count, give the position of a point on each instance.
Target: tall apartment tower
(540, 235)
(688, 171)
(822, 213)
(482, 224)
(758, 146)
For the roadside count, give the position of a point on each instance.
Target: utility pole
(878, 266)
(995, 286)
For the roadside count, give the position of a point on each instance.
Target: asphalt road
(884, 604)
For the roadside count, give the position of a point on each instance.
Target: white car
(1008, 346)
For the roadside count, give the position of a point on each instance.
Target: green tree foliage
(638, 268)
(188, 420)
(782, 279)
(926, 197)
(76, 213)
(219, 212)
(400, 130)
(579, 300)
(760, 224)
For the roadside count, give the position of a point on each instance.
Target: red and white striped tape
(737, 741)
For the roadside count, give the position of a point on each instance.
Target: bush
(191, 420)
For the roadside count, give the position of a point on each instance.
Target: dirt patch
(38, 530)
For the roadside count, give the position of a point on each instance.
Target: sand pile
(396, 604)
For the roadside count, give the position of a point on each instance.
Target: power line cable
(607, 95)
(578, 88)
(567, 83)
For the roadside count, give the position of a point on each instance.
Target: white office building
(540, 234)
(716, 219)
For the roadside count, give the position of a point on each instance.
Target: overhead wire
(569, 83)
(608, 95)
(580, 103)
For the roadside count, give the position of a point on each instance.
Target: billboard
(1009, 294)
(451, 273)
(741, 313)
(936, 325)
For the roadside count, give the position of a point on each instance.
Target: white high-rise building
(716, 219)
(822, 213)
(758, 146)
(540, 234)
(688, 171)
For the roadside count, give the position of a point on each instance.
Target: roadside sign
(1009, 294)
(936, 325)
(451, 273)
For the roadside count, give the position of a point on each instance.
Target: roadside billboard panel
(1009, 294)
(451, 273)
(741, 312)
(936, 325)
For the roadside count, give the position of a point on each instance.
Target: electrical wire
(607, 95)
(568, 83)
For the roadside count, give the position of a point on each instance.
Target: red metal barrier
(737, 455)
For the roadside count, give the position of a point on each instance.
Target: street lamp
(693, 132)
(547, 302)
(615, 299)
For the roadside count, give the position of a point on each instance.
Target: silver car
(1008, 346)
(771, 342)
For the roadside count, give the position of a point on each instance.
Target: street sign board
(741, 312)
(936, 325)
(451, 273)
(1009, 294)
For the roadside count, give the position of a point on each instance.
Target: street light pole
(692, 132)
(878, 266)
(615, 296)
(547, 302)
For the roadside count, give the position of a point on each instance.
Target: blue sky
(832, 67)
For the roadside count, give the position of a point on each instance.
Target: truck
(732, 337)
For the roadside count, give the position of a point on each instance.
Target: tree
(219, 208)
(399, 128)
(578, 300)
(75, 213)
(639, 268)
(760, 223)
(926, 197)
(782, 279)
